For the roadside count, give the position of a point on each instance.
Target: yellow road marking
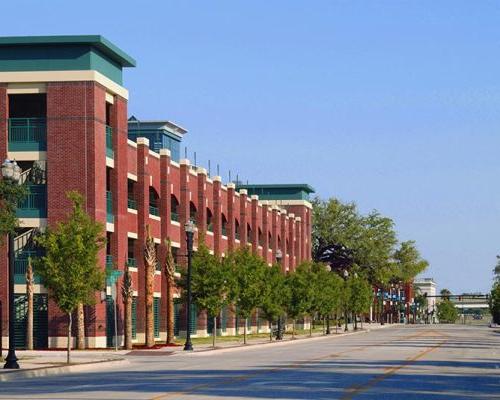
(239, 378)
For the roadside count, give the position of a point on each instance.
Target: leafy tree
(446, 312)
(445, 293)
(127, 297)
(301, 291)
(494, 302)
(275, 295)
(10, 196)
(361, 296)
(326, 291)
(248, 272)
(210, 284)
(496, 270)
(345, 300)
(70, 268)
(408, 262)
(421, 301)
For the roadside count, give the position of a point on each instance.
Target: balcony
(34, 205)
(109, 261)
(109, 142)
(132, 204)
(153, 210)
(21, 266)
(109, 208)
(27, 134)
(132, 262)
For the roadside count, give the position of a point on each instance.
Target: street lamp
(11, 172)
(189, 228)
(279, 335)
(346, 275)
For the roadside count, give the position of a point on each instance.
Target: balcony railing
(153, 210)
(224, 230)
(34, 205)
(174, 216)
(109, 142)
(132, 204)
(210, 227)
(27, 134)
(132, 262)
(109, 261)
(21, 266)
(109, 208)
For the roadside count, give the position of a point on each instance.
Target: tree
(248, 272)
(150, 261)
(301, 291)
(496, 270)
(408, 262)
(275, 295)
(70, 268)
(345, 300)
(30, 286)
(169, 271)
(10, 196)
(445, 294)
(494, 302)
(210, 284)
(360, 296)
(446, 312)
(127, 297)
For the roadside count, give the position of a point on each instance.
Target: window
(174, 208)
(236, 229)
(154, 202)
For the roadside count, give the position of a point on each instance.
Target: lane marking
(240, 378)
(357, 389)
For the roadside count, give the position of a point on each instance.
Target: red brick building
(63, 117)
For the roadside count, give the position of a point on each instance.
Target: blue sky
(392, 104)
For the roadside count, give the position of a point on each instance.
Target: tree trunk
(311, 327)
(170, 312)
(29, 317)
(323, 325)
(355, 322)
(270, 331)
(128, 323)
(214, 333)
(68, 351)
(80, 328)
(245, 332)
(150, 265)
(293, 328)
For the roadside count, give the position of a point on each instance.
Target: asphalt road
(418, 362)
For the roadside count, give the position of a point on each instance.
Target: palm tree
(29, 294)
(127, 295)
(150, 265)
(445, 294)
(169, 271)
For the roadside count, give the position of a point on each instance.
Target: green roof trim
(298, 186)
(97, 41)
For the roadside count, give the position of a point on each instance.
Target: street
(413, 362)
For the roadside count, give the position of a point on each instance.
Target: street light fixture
(189, 227)
(11, 172)
(279, 335)
(346, 275)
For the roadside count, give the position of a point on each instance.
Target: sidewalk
(36, 363)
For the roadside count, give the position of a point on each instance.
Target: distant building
(428, 286)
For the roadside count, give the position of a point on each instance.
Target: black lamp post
(11, 172)
(189, 228)
(279, 335)
(346, 275)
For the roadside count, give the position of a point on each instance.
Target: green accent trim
(154, 211)
(279, 191)
(132, 262)
(97, 41)
(109, 142)
(132, 204)
(109, 208)
(109, 261)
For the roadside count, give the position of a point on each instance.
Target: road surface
(415, 362)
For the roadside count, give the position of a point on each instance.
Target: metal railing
(109, 208)
(132, 204)
(34, 204)
(109, 261)
(131, 262)
(153, 210)
(27, 134)
(174, 216)
(109, 142)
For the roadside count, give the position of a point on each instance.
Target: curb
(210, 351)
(59, 370)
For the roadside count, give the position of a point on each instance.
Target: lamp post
(346, 275)
(189, 228)
(279, 335)
(11, 172)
